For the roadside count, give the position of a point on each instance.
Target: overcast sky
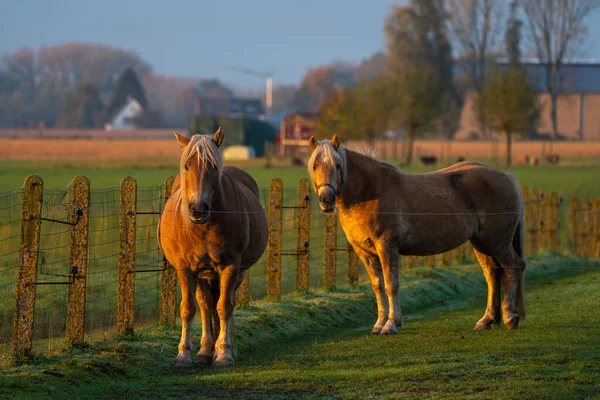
(199, 38)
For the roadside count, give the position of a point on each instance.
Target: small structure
(294, 134)
(238, 152)
(126, 116)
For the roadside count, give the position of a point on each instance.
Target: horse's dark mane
(369, 161)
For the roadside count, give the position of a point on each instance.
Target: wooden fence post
(553, 221)
(330, 250)
(127, 224)
(302, 243)
(78, 260)
(429, 261)
(575, 225)
(28, 263)
(168, 278)
(596, 227)
(534, 221)
(274, 252)
(585, 228)
(544, 223)
(447, 258)
(353, 271)
(525, 193)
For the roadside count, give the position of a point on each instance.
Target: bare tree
(557, 31)
(476, 27)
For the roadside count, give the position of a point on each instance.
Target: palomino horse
(386, 213)
(213, 228)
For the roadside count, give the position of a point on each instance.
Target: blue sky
(198, 38)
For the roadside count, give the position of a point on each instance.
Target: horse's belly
(418, 244)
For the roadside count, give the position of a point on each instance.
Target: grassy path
(556, 354)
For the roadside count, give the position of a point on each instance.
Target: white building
(125, 117)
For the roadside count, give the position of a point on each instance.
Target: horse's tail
(519, 246)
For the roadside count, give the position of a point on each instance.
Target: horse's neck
(363, 180)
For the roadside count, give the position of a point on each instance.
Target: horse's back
(248, 199)
(242, 177)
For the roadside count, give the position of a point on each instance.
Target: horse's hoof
(376, 330)
(224, 360)
(204, 360)
(512, 323)
(482, 327)
(389, 330)
(183, 361)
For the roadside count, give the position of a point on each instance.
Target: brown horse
(386, 213)
(213, 228)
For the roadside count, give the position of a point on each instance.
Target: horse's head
(327, 169)
(200, 170)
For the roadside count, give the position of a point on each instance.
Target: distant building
(578, 104)
(294, 133)
(229, 107)
(126, 116)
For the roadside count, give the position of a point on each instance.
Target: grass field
(318, 347)
(568, 181)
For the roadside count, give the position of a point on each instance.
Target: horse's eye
(338, 166)
(186, 167)
(314, 167)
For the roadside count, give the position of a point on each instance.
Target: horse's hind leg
(389, 256)
(205, 302)
(375, 272)
(187, 282)
(513, 271)
(493, 276)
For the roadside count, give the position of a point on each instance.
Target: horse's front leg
(389, 256)
(228, 281)
(373, 267)
(187, 282)
(206, 305)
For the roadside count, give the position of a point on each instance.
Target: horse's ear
(313, 143)
(218, 137)
(335, 141)
(183, 141)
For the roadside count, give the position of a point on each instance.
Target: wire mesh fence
(311, 253)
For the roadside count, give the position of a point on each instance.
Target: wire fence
(81, 262)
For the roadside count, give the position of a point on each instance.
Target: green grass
(318, 347)
(568, 181)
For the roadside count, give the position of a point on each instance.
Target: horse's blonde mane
(206, 150)
(326, 155)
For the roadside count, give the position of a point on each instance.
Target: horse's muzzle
(327, 201)
(199, 214)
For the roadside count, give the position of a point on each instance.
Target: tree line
(438, 52)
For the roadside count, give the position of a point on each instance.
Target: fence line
(116, 273)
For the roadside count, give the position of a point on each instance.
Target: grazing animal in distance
(212, 229)
(428, 160)
(386, 213)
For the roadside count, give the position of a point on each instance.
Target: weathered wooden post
(127, 225)
(330, 250)
(353, 271)
(429, 261)
(544, 223)
(78, 260)
(168, 278)
(534, 221)
(596, 226)
(28, 263)
(585, 228)
(575, 225)
(553, 221)
(447, 258)
(274, 252)
(525, 193)
(302, 243)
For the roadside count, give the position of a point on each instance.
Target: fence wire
(10, 238)
(103, 250)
